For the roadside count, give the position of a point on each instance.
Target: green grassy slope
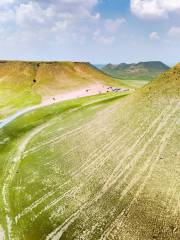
(16, 84)
(140, 71)
(24, 84)
(13, 136)
(108, 170)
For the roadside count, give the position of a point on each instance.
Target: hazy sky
(98, 31)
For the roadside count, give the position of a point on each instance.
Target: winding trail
(92, 91)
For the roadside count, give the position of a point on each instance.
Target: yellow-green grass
(100, 170)
(16, 87)
(24, 84)
(14, 133)
(135, 84)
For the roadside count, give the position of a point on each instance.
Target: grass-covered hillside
(140, 71)
(24, 84)
(101, 167)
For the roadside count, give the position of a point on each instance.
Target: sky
(96, 31)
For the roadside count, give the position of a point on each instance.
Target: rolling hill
(23, 84)
(101, 167)
(139, 71)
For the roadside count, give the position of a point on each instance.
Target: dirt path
(83, 92)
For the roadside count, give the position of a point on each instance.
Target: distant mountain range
(136, 71)
(99, 66)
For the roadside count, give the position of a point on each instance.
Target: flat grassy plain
(136, 83)
(101, 167)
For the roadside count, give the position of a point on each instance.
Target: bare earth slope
(103, 171)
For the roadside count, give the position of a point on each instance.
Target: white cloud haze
(28, 12)
(154, 36)
(153, 9)
(114, 25)
(88, 29)
(174, 32)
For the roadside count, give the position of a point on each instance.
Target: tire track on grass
(57, 140)
(98, 152)
(149, 167)
(57, 233)
(145, 167)
(88, 177)
(74, 131)
(43, 198)
(141, 152)
(115, 175)
(74, 174)
(104, 112)
(162, 147)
